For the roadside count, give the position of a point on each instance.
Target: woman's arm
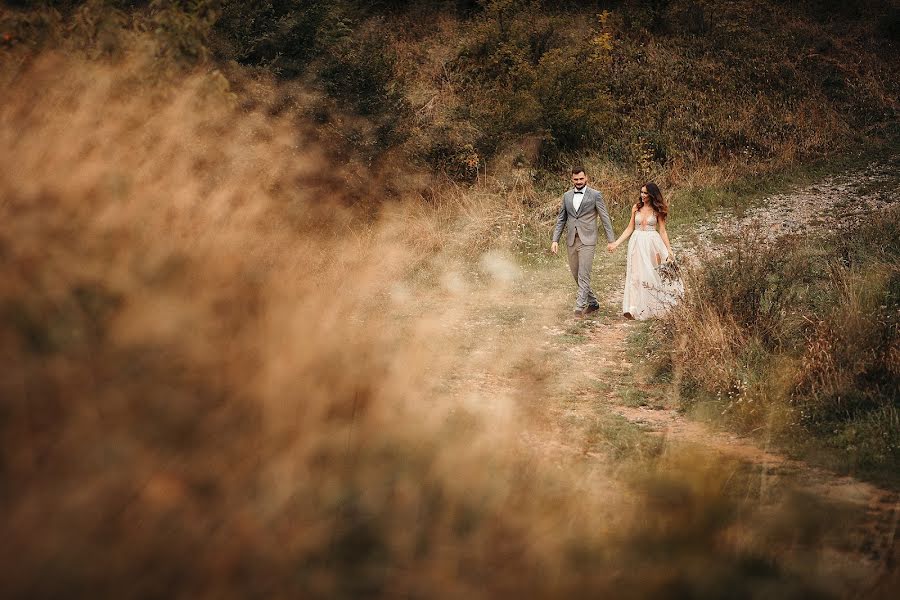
(625, 234)
(665, 236)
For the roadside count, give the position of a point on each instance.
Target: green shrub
(457, 160)
(182, 28)
(280, 36)
(360, 70)
(529, 70)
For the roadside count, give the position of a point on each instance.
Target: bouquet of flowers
(669, 271)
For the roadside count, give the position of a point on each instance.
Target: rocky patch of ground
(837, 203)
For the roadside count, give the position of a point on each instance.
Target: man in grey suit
(580, 208)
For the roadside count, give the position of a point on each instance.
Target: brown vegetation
(219, 382)
(235, 309)
(798, 339)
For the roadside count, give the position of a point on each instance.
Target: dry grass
(201, 348)
(796, 340)
(221, 381)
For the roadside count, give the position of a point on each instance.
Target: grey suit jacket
(584, 220)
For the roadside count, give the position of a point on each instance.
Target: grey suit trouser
(581, 259)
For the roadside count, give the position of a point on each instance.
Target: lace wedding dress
(647, 293)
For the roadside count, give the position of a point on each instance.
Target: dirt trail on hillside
(838, 202)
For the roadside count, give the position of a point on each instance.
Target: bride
(647, 292)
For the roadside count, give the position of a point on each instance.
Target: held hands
(611, 247)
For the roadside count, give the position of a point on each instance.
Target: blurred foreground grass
(220, 381)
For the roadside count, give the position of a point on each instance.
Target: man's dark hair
(578, 169)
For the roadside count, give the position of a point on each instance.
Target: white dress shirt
(577, 198)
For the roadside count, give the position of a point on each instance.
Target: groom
(580, 208)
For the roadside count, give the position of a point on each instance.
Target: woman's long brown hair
(657, 203)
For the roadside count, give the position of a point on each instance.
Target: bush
(804, 330)
(889, 25)
(459, 161)
(182, 28)
(179, 31)
(360, 70)
(280, 36)
(850, 368)
(528, 70)
(674, 84)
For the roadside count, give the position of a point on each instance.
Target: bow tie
(581, 191)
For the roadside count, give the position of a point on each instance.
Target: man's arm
(560, 223)
(604, 217)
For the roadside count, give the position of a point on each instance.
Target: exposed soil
(839, 203)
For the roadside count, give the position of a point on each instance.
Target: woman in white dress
(647, 293)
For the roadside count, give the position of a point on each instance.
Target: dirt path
(873, 543)
(838, 202)
(871, 547)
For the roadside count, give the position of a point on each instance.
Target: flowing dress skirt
(647, 294)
